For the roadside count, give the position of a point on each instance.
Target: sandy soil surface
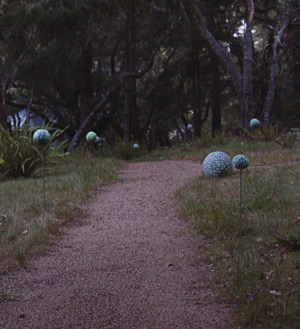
(131, 264)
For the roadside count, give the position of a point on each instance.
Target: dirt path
(132, 264)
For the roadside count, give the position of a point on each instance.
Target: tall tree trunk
(215, 86)
(86, 92)
(216, 110)
(197, 99)
(272, 80)
(247, 109)
(129, 92)
(3, 115)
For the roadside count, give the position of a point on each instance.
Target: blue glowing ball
(189, 127)
(135, 146)
(91, 137)
(217, 164)
(41, 137)
(240, 162)
(254, 123)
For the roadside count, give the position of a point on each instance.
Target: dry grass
(259, 270)
(24, 227)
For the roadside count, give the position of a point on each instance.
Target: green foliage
(290, 240)
(24, 227)
(126, 151)
(19, 156)
(267, 134)
(287, 140)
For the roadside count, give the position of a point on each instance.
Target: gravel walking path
(131, 264)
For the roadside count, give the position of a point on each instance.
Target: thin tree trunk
(247, 112)
(3, 115)
(216, 111)
(86, 93)
(127, 84)
(272, 80)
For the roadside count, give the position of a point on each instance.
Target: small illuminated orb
(254, 123)
(189, 127)
(135, 146)
(91, 137)
(98, 139)
(240, 162)
(217, 164)
(41, 137)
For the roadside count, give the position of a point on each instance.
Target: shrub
(19, 156)
(128, 151)
(287, 140)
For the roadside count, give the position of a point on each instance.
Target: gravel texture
(131, 264)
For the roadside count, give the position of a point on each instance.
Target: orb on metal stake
(91, 137)
(241, 162)
(42, 137)
(254, 124)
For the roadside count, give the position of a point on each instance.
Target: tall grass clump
(259, 270)
(24, 227)
(19, 155)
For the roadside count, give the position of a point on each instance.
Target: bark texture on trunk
(86, 92)
(216, 108)
(247, 112)
(272, 80)
(3, 116)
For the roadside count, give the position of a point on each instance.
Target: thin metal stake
(43, 173)
(241, 203)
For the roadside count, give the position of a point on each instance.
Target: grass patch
(259, 152)
(24, 227)
(260, 270)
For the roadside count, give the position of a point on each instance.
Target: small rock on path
(132, 264)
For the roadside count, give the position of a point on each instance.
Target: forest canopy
(140, 70)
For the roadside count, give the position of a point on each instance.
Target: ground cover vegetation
(257, 269)
(70, 181)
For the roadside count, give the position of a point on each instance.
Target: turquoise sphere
(41, 137)
(254, 123)
(217, 164)
(91, 137)
(240, 162)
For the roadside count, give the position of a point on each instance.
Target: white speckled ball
(254, 123)
(217, 164)
(41, 137)
(189, 127)
(240, 162)
(135, 146)
(91, 137)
